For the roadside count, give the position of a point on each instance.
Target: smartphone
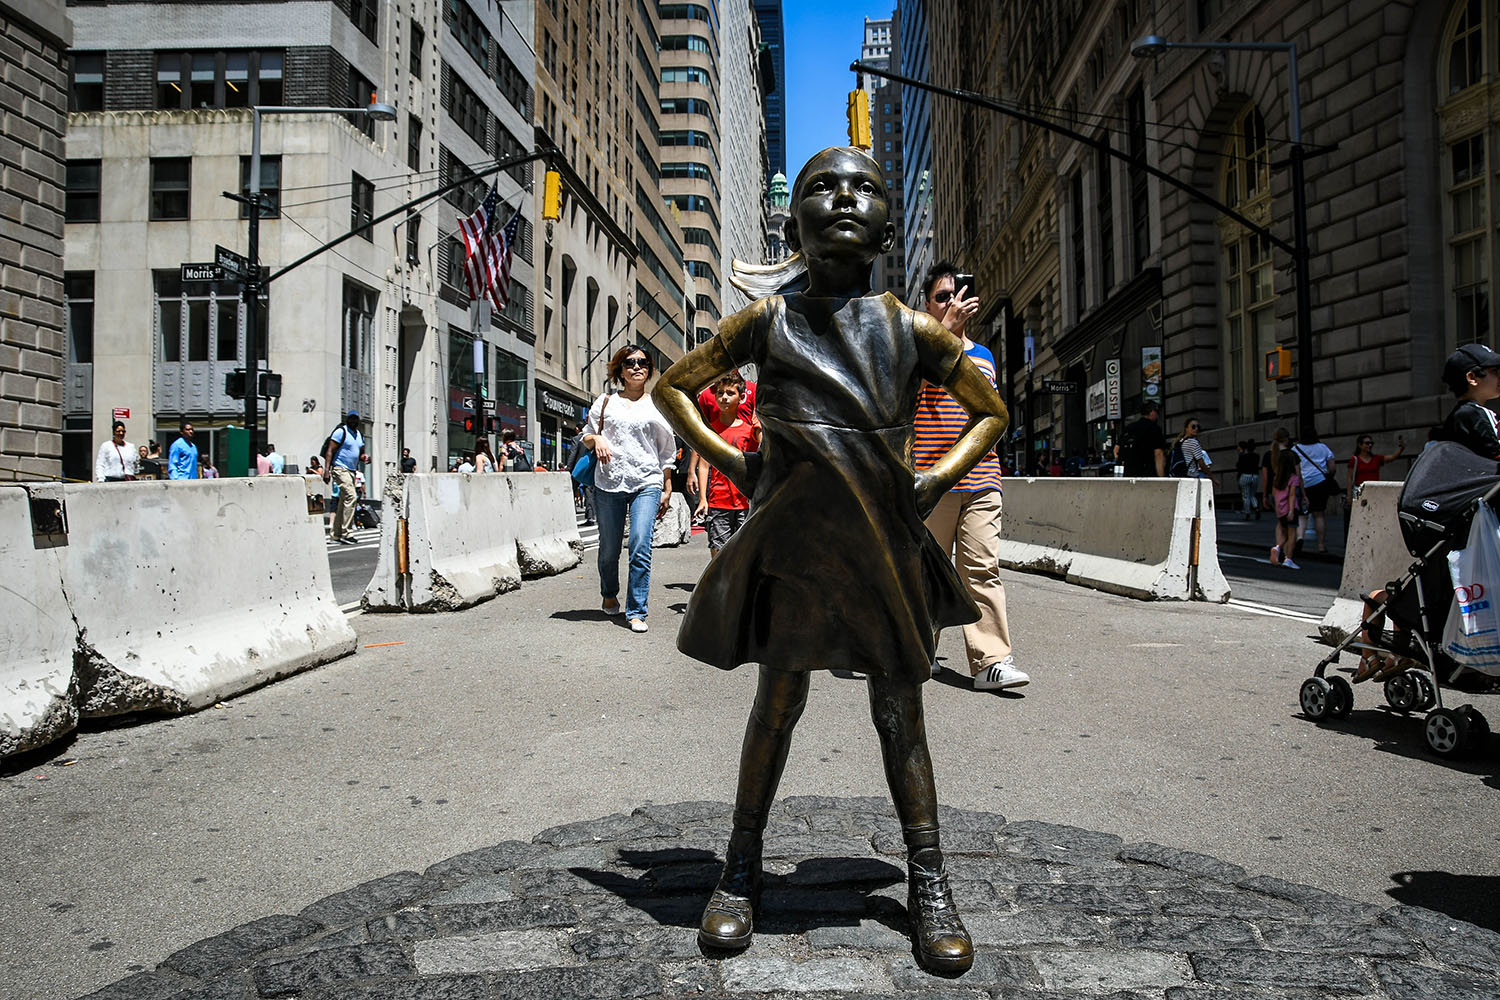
(962, 281)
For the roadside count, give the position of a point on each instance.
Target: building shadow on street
(1467, 897)
(1402, 735)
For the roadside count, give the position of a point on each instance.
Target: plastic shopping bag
(1472, 633)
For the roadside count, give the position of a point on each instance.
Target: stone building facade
(33, 121)
(1101, 263)
(160, 124)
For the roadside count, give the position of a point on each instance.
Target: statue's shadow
(670, 887)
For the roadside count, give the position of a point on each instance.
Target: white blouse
(641, 443)
(111, 461)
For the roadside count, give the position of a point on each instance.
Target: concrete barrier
(673, 528)
(547, 539)
(465, 537)
(177, 594)
(1154, 539)
(1374, 555)
(38, 687)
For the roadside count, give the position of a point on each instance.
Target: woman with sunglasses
(636, 452)
(1365, 464)
(1187, 457)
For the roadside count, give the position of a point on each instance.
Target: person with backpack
(1318, 483)
(1187, 457)
(343, 454)
(1143, 447)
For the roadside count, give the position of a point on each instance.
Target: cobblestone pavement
(609, 907)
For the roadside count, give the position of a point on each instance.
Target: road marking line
(1272, 610)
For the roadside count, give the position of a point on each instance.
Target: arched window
(1248, 302)
(1467, 123)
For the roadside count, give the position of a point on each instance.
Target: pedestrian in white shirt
(636, 452)
(118, 459)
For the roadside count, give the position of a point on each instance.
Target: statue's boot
(729, 919)
(942, 943)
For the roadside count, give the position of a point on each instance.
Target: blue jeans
(611, 508)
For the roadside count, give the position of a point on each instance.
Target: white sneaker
(1289, 564)
(999, 675)
(637, 624)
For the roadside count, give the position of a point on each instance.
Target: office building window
(1248, 303)
(270, 186)
(359, 327)
(413, 239)
(171, 178)
(1469, 216)
(414, 142)
(200, 320)
(414, 57)
(363, 14)
(1140, 199)
(235, 79)
(1104, 207)
(78, 310)
(1077, 259)
(361, 206)
(86, 81)
(81, 202)
(361, 93)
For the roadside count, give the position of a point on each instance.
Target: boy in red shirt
(726, 507)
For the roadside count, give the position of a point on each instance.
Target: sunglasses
(942, 297)
(1367, 441)
(1192, 427)
(636, 363)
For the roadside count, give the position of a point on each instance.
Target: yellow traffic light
(859, 118)
(1278, 364)
(552, 196)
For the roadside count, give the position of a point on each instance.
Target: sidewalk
(1257, 537)
(1154, 723)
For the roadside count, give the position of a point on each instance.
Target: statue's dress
(833, 568)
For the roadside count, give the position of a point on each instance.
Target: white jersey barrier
(1154, 539)
(1374, 555)
(451, 540)
(176, 595)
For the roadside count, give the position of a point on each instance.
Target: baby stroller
(1437, 505)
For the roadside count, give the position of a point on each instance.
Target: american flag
(487, 251)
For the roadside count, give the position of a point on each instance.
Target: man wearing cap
(1473, 373)
(344, 453)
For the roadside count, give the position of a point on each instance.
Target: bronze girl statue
(834, 568)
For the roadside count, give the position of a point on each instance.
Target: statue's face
(841, 207)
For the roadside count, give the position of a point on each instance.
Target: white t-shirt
(1314, 459)
(640, 440)
(113, 461)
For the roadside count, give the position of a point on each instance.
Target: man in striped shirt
(967, 520)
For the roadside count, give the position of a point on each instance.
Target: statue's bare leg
(941, 941)
(781, 695)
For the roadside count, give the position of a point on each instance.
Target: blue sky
(822, 39)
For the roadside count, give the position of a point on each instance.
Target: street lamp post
(252, 281)
(1153, 45)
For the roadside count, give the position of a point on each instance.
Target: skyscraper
(773, 36)
(916, 144)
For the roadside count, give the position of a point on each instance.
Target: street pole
(252, 298)
(1302, 255)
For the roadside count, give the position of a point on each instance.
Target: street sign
(1059, 387)
(122, 413)
(230, 262)
(468, 403)
(202, 272)
(491, 405)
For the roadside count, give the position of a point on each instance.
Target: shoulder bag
(583, 469)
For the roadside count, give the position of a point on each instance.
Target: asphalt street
(1172, 723)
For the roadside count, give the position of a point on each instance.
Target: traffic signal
(1278, 364)
(859, 118)
(468, 425)
(552, 196)
(234, 384)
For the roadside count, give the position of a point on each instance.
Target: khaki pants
(343, 515)
(967, 524)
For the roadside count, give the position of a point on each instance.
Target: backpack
(329, 440)
(1177, 464)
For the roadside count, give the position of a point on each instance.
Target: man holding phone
(966, 521)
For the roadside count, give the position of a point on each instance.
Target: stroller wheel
(1340, 697)
(1447, 732)
(1401, 692)
(1426, 696)
(1315, 698)
(1479, 728)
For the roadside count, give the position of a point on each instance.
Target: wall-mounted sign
(1112, 389)
(122, 413)
(1151, 373)
(557, 405)
(1097, 404)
